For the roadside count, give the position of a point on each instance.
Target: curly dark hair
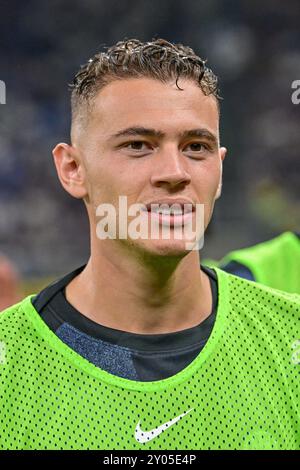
(132, 58)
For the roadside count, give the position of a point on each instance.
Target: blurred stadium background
(254, 47)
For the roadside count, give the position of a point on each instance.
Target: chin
(177, 248)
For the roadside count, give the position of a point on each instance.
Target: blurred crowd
(254, 47)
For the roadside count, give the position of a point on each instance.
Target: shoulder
(16, 315)
(246, 294)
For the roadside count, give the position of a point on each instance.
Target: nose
(170, 169)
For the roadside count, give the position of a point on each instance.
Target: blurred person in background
(274, 198)
(275, 262)
(10, 292)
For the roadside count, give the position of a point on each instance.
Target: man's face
(150, 141)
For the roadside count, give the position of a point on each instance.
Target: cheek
(207, 183)
(106, 184)
(207, 180)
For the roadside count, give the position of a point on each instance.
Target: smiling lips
(185, 205)
(171, 212)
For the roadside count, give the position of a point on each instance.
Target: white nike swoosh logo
(146, 436)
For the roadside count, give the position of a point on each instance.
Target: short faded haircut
(131, 58)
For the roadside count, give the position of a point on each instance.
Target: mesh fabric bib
(241, 392)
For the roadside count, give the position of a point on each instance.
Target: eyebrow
(143, 131)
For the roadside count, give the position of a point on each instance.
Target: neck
(145, 294)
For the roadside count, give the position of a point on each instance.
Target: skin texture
(143, 286)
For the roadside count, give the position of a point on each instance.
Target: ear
(222, 154)
(70, 169)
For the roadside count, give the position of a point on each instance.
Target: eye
(197, 147)
(137, 145)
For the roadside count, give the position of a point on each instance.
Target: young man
(142, 348)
